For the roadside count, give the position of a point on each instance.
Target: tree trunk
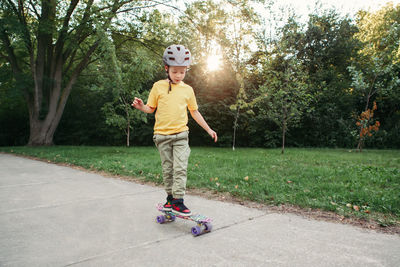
(283, 136)
(369, 95)
(361, 140)
(128, 132)
(234, 128)
(360, 145)
(42, 131)
(54, 61)
(284, 129)
(40, 135)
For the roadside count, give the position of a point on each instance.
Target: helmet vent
(177, 55)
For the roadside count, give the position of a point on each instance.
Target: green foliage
(380, 33)
(49, 43)
(237, 37)
(326, 51)
(14, 119)
(284, 95)
(132, 69)
(323, 73)
(375, 71)
(83, 123)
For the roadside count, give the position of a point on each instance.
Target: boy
(172, 98)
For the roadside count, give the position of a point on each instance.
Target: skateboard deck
(203, 223)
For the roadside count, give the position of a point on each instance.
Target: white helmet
(177, 55)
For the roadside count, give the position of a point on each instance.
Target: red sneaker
(179, 208)
(168, 206)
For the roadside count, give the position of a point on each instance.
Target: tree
(200, 25)
(380, 33)
(285, 91)
(213, 28)
(375, 72)
(133, 69)
(366, 124)
(372, 79)
(326, 51)
(47, 45)
(235, 40)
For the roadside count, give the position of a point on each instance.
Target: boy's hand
(138, 103)
(213, 135)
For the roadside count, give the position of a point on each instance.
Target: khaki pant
(174, 152)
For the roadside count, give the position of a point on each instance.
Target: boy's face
(176, 73)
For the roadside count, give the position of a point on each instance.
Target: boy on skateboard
(170, 99)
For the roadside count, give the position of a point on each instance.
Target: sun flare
(213, 62)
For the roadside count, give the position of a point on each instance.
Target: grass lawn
(365, 185)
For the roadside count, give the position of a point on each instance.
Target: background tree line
(75, 66)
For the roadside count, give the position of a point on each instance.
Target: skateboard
(203, 223)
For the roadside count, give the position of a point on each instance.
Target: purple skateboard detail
(203, 223)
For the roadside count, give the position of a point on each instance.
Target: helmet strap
(169, 80)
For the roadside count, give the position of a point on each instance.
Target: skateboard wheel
(196, 230)
(207, 227)
(169, 217)
(161, 219)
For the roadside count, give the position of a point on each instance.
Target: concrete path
(58, 216)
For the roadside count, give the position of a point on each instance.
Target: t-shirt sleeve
(152, 100)
(192, 103)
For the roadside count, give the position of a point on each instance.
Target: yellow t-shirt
(171, 113)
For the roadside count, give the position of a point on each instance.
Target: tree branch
(13, 7)
(19, 12)
(82, 25)
(53, 121)
(10, 51)
(145, 44)
(156, 3)
(63, 35)
(22, 19)
(34, 9)
(44, 52)
(74, 77)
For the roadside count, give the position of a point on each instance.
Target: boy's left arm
(200, 120)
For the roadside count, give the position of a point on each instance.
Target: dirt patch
(314, 214)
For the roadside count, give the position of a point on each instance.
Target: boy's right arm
(138, 104)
